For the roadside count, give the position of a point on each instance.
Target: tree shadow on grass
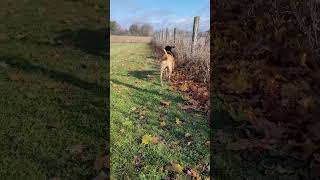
(80, 123)
(141, 97)
(153, 92)
(95, 42)
(25, 65)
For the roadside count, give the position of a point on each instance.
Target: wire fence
(192, 49)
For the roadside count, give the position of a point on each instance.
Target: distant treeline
(134, 30)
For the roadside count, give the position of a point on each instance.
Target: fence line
(190, 47)
(164, 36)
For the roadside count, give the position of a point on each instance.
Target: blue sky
(161, 13)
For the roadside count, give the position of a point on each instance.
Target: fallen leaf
(154, 140)
(194, 174)
(3, 65)
(238, 82)
(187, 135)
(133, 109)
(174, 167)
(186, 107)
(76, 148)
(244, 144)
(195, 88)
(162, 124)
(184, 87)
(53, 125)
(137, 161)
(178, 167)
(165, 103)
(207, 143)
(142, 112)
(186, 97)
(101, 162)
(127, 123)
(283, 170)
(101, 176)
(146, 139)
(175, 142)
(178, 122)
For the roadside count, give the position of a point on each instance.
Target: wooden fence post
(162, 35)
(195, 33)
(174, 35)
(167, 35)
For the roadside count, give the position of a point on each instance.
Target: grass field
(52, 85)
(136, 111)
(130, 39)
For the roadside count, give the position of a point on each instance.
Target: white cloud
(183, 23)
(180, 20)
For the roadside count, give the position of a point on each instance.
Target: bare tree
(134, 29)
(115, 28)
(146, 29)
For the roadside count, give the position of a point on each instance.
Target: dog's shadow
(143, 75)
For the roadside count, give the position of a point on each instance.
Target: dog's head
(169, 48)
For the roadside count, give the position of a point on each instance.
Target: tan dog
(166, 62)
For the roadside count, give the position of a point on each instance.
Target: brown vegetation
(130, 39)
(191, 75)
(266, 76)
(198, 64)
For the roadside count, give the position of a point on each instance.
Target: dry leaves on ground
(146, 139)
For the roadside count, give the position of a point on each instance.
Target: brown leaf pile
(195, 93)
(264, 67)
(187, 80)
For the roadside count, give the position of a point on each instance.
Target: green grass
(131, 64)
(52, 85)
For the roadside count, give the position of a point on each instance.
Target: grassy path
(136, 111)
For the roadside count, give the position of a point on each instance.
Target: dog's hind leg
(166, 71)
(173, 64)
(161, 73)
(170, 73)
